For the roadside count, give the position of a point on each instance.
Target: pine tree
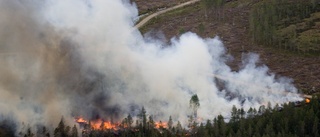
(179, 127)
(202, 131)
(143, 117)
(74, 132)
(151, 123)
(29, 133)
(234, 115)
(67, 130)
(242, 113)
(170, 123)
(130, 121)
(222, 126)
(194, 104)
(60, 130)
(209, 128)
(43, 133)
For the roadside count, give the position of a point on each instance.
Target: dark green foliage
(65, 131)
(6, 128)
(287, 24)
(280, 121)
(60, 131)
(289, 121)
(201, 28)
(74, 132)
(194, 105)
(194, 101)
(143, 119)
(181, 31)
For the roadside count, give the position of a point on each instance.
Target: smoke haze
(85, 58)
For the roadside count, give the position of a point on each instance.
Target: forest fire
(161, 125)
(98, 124)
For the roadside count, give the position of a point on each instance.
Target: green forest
(292, 25)
(287, 24)
(294, 119)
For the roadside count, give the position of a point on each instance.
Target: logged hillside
(290, 50)
(146, 6)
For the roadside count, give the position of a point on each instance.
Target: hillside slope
(232, 25)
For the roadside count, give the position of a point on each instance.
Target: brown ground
(151, 5)
(233, 29)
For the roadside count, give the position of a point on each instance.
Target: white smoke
(81, 57)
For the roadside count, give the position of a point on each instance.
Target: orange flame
(161, 124)
(307, 100)
(80, 120)
(98, 124)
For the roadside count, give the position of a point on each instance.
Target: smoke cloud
(85, 58)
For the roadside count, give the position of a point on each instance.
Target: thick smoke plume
(85, 58)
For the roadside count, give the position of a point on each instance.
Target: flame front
(161, 124)
(98, 124)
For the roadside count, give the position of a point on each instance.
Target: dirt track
(145, 20)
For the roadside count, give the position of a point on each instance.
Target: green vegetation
(290, 25)
(201, 28)
(292, 119)
(194, 105)
(181, 31)
(287, 24)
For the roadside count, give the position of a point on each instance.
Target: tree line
(292, 119)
